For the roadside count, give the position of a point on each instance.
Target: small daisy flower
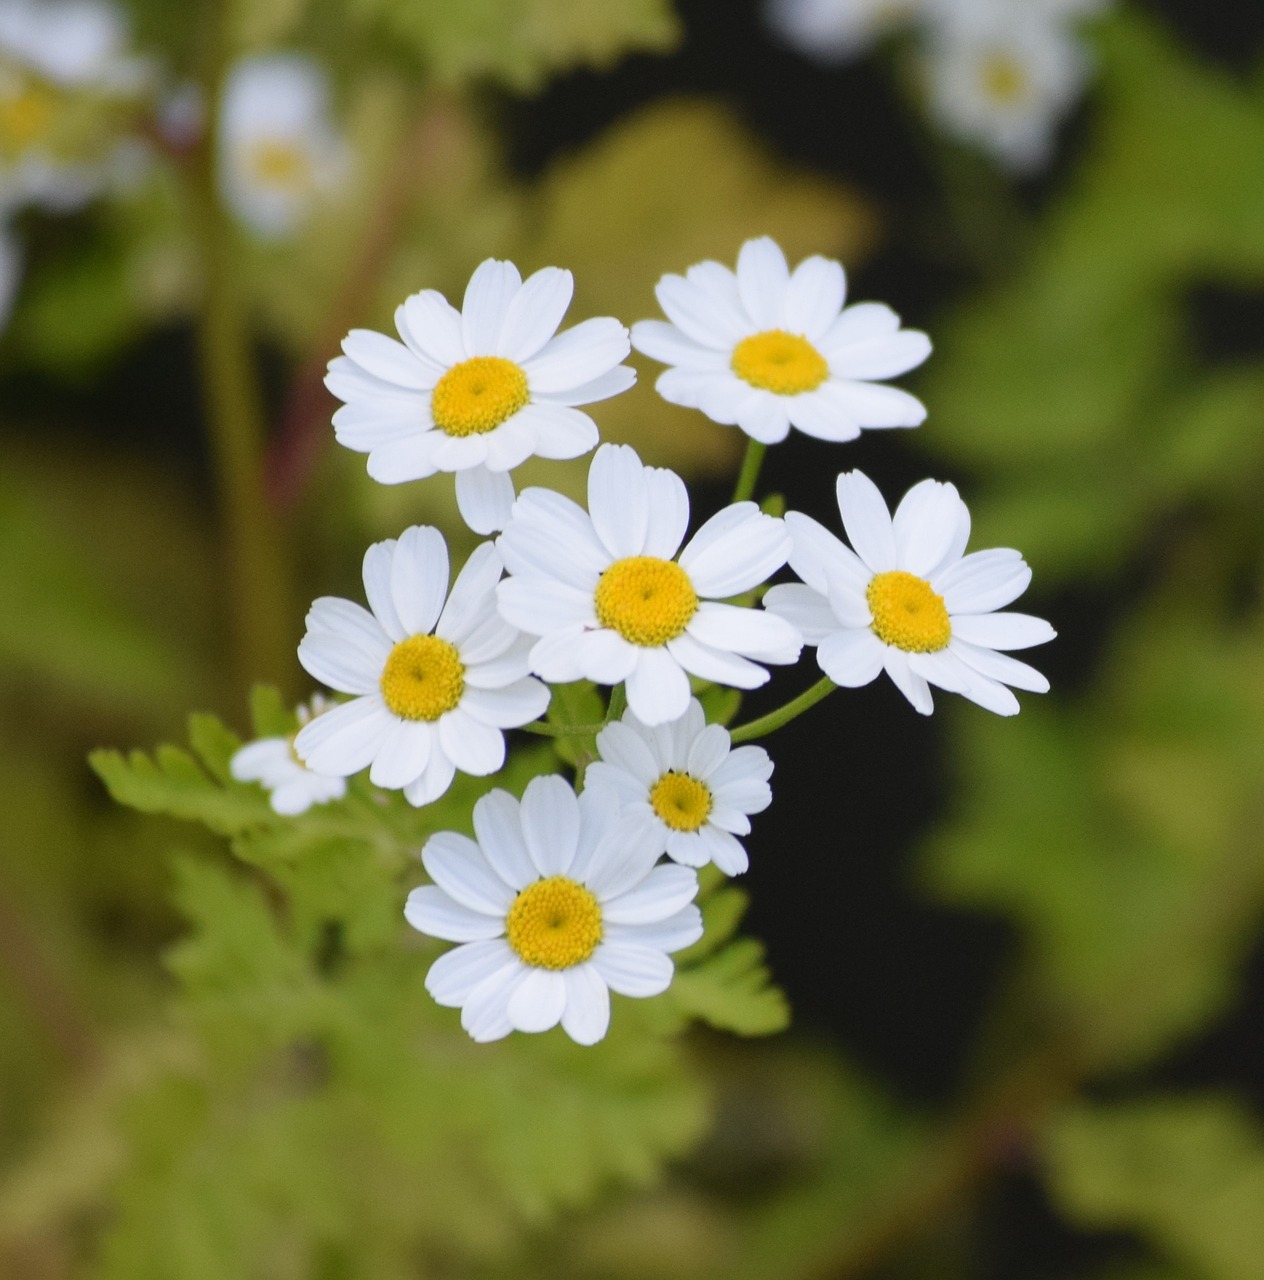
(279, 153)
(1003, 74)
(478, 391)
(908, 600)
(768, 350)
(687, 778)
(72, 43)
(292, 786)
(611, 602)
(838, 30)
(557, 902)
(434, 684)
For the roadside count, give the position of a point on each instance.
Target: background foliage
(216, 1054)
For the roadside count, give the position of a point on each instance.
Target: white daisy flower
(610, 601)
(279, 153)
(908, 600)
(293, 787)
(435, 684)
(557, 902)
(687, 778)
(478, 391)
(1003, 73)
(767, 350)
(838, 30)
(72, 43)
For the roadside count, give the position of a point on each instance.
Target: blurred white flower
(767, 349)
(837, 30)
(71, 43)
(292, 787)
(279, 153)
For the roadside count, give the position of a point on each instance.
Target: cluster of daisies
(998, 74)
(562, 897)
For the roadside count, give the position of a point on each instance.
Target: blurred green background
(1023, 956)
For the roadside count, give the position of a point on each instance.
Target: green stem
(749, 473)
(263, 624)
(547, 730)
(783, 715)
(618, 703)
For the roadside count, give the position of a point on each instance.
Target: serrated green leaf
(732, 991)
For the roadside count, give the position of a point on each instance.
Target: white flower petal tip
(766, 349)
(476, 392)
(291, 785)
(611, 601)
(436, 676)
(835, 31)
(557, 903)
(698, 789)
(909, 601)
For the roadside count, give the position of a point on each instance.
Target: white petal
(534, 314)
(484, 498)
(678, 931)
(708, 751)
(686, 847)
(661, 894)
(814, 296)
(472, 599)
(541, 607)
(884, 357)
(387, 359)
(658, 690)
(508, 708)
(338, 662)
(1002, 630)
(259, 761)
(377, 588)
(690, 388)
(606, 657)
(823, 414)
(925, 525)
(484, 1013)
(633, 969)
(817, 556)
(343, 620)
(491, 289)
(370, 425)
(732, 553)
(577, 356)
(698, 315)
(550, 824)
(867, 521)
(474, 747)
(625, 852)
(716, 664)
(762, 281)
(664, 342)
(992, 696)
(402, 754)
(725, 850)
(851, 658)
(741, 781)
(628, 752)
(498, 826)
(399, 461)
(434, 782)
(513, 442)
(982, 582)
(999, 666)
(549, 536)
(874, 405)
(430, 910)
(618, 500)
(456, 864)
(764, 417)
(942, 669)
(864, 322)
(432, 327)
(345, 739)
(756, 633)
(911, 685)
(586, 1017)
(538, 1001)
(419, 578)
(805, 609)
(613, 382)
(457, 972)
(668, 512)
(554, 657)
(561, 432)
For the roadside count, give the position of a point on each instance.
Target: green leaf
(1188, 1173)
(269, 714)
(732, 991)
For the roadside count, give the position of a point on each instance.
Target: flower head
(767, 349)
(611, 601)
(687, 779)
(279, 154)
(293, 788)
(908, 600)
(557, 902)
(434, 684)
(478, 391)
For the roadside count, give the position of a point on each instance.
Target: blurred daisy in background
(435, 678)
(292, 787)
(478, 391)
(611, 602)
(838, 30)
(689, 780)
(556, 902)
(279, 152)
(766, 349)
(907, 599)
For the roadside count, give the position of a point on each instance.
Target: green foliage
(1186, 1173)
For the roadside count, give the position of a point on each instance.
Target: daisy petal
(678, 931)
(550, 824)
(337, 662)
(618, 500)
(698, 315)
(658, 690)
(611, 383)
(475, 748)
(1002, 630)
(345, 739)
(491, 289)
(983, 582)
(885, 357)
(754, 632)
(579, 355)
(864, 322)
(664, 342)
(377, 588)
(430, 910)
(457, 865)
(911, 685)
(537, 1001)
(508, 708)
(484, 1014)
(925, 524)
(814, 296)
(402, 754)
(762, 281)
(484, 498)
(716, 664)
(735, 550)
(661, 894)
(668, 512)
(387, 359)
(874, 405)
(999, 666)
(533, 315)
(456, 973)
(633, 969)
(498, 826)
(851, 658)
(805, 609)
(431, 327)
(586, 1017)
(867, 521)
(419, 578)
(561, 432)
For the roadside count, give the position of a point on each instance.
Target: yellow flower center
(554, 923)
(26, 116)
(477, 395)
(648, 601)
(1003, 78)
(785, 363)
(907, 613)
(682, 802)
(423, 678)
(277, 163)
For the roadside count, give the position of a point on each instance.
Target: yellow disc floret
(907, 612)
(648, 601)
(682, 802)
(785, 363)
(1003, 79)
(423, 678)
(554, 923)
(477, 395)
(277, 162)
(25, 116)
